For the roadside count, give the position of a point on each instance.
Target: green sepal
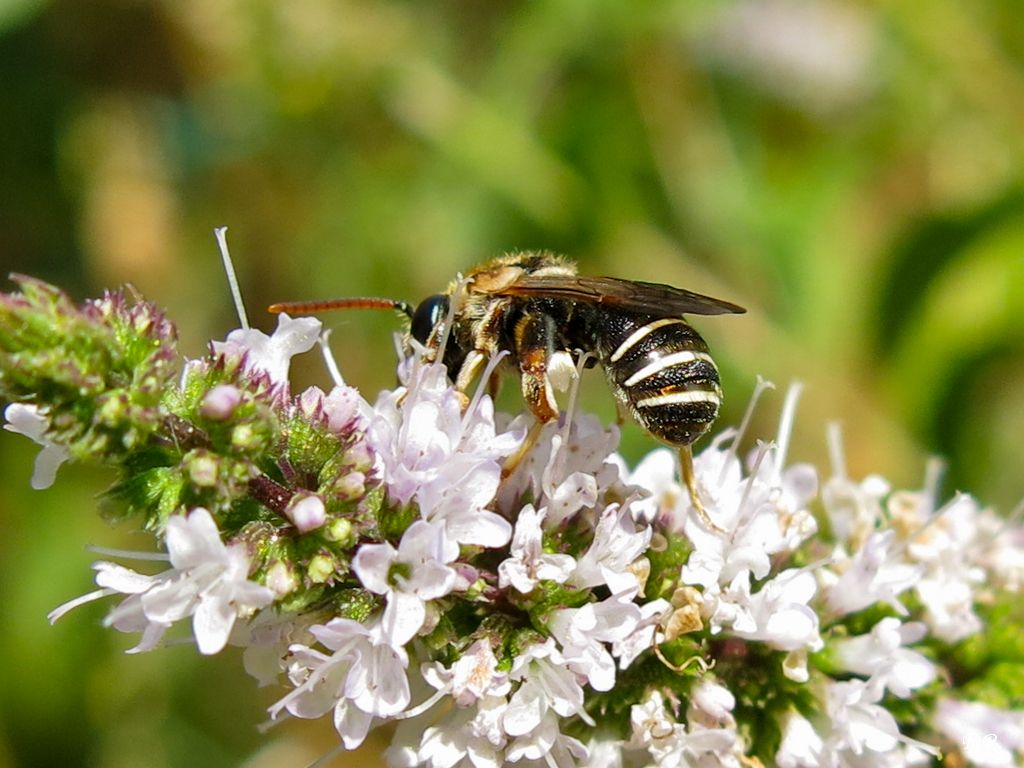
(153, 493)
(392, 522)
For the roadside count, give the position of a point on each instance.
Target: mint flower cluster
(376, 566)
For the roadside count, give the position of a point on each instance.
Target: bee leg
(690, 481)
(513, 461)
(535, 341)
(621, 412)
(470, 368)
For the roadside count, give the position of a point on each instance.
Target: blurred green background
(851, 173)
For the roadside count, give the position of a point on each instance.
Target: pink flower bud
(307, 512)
(220, 402)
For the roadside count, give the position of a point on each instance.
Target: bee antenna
(328, 305)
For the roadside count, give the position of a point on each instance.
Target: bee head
(428, 315)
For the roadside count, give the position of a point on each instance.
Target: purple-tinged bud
(342, 409)
(281, 579)
(351, 486)
(311, 403)
(203, 469)
(307, 512)
(465, 576)
(359, 457)
(220, 402)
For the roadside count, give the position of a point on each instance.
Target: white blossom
(881, 655)
(28, 420)
(266, 640)
(272, 354)
(341, 409)
(474, 676)
(461, 740)
(873, 574)
(617, 543)
(673, 744)
(528, 563)
(987, 737)
(416, 572)
(583, 633)
(546, 684)
(859, 725)
(363, 677)
(801, 745)
(943, 543)
(640, 639)
(566, 468)
(547, 743)
(449, 462)
(778, 614)
(208, 582)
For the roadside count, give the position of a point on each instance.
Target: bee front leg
(535, 342)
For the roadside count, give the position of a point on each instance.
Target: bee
(535, 307)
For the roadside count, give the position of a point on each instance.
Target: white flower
(642, 637)
(266, 640)
(712, 703)
(763, 516)
(616, 546)
(209, 582)
(547, 744)
(461, 740)
(566, 467)
(778, 614)
(1003, 557)
(28, 421)
(474, 676)
(881, 656)
(583, 632)
(859, 724)
(409, 576)
(801, 745)
(671, 744)
(447, 461)
(363, 678)
(272, 354)
(986, 736)
(876, 573)
(528, 563)
(546, 684)
(341, 410)
(853, 509)
(943, 541)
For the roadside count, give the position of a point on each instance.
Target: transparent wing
(633, 295)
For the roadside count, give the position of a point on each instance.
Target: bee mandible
(536, 307)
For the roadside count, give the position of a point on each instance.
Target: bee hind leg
(690, 481)
(513, 461)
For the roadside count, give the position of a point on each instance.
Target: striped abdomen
(660, 368)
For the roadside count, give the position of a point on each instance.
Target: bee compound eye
(428, 314)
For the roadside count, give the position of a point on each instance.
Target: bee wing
(633, 295)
